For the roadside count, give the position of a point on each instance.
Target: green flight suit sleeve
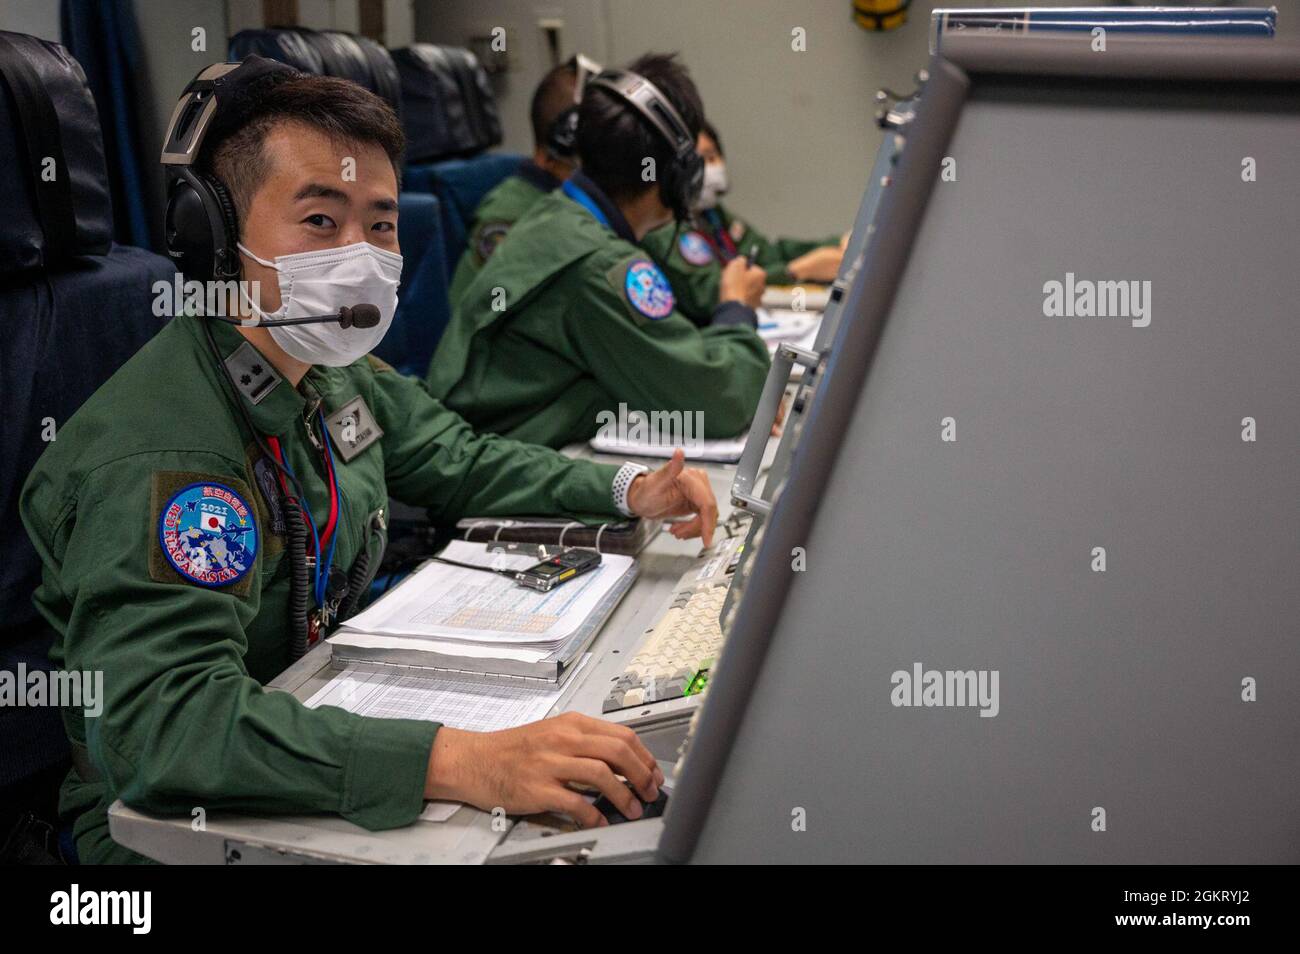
(183, 725)
(433, 458)
(665, 364)
(695, 286)
(791, 248)
(773, 255)
(484, 237)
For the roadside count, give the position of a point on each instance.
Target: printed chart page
(473, 706)
(454, 603)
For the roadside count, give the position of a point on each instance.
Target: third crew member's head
(709, 145)
(554, 115)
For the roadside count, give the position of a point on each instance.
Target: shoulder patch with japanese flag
(206, 531)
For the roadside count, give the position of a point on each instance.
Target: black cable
(513, 574)
(294, 526)
(357, 580)
(295, 529)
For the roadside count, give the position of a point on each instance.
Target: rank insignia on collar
(648, 290)
(252, 373)
(208, 534)
(695, 248)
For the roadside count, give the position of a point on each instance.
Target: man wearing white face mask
(693, 258)
(208, 513)
(309, 284)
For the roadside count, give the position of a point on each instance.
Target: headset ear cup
(692, 180)
(562, 137)
(681, 184)
(200, 227)
(186, 231)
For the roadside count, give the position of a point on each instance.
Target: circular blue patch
(648, 290)
(208, 534)
(695, 248)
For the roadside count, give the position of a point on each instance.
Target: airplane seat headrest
(59, 206)
(448, 105)
(325, 53)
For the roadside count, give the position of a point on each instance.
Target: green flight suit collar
(537, 177)
(282, 405)
(587, 194)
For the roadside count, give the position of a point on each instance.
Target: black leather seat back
(56, 203)
(325, 53)
(449, 108)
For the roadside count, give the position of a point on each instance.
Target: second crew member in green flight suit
(553, 114)
(570, 318)
(171, 514)
(692, 256)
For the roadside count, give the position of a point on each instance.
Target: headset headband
(200, 223)
(192, 116)
(585, 68)
(643, 96)
(197, 109)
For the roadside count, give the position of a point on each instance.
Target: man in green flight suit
(570, 320)
(554, 116)
(169, 514)
(693, 258)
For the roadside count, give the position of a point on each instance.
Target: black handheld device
(561, 568)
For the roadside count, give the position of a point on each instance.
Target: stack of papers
(724, 449)
(812, 297)
(475, 707)
(472, 613)
(776, 325)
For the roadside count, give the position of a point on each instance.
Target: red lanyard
(332, 521)
(719, 239)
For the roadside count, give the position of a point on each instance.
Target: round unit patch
(489, 237)
(208, 534)
(648, 290)
(695, 248)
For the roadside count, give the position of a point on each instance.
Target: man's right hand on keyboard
(530, 769)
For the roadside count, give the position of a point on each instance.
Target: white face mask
(319, 283)
(715, 184)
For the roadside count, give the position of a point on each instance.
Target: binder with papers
(624, 536)
(448, 620)
(806, 296)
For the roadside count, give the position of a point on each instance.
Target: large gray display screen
(1050, 604)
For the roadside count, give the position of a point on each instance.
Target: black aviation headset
(562, 133)
(200, 225)
(679, 185)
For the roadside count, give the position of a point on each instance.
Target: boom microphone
(364, 315)
(359, 316)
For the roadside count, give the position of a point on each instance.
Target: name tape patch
(353, 428)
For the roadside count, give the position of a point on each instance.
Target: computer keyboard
(676, 656)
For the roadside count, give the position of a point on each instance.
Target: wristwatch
(623, 483)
